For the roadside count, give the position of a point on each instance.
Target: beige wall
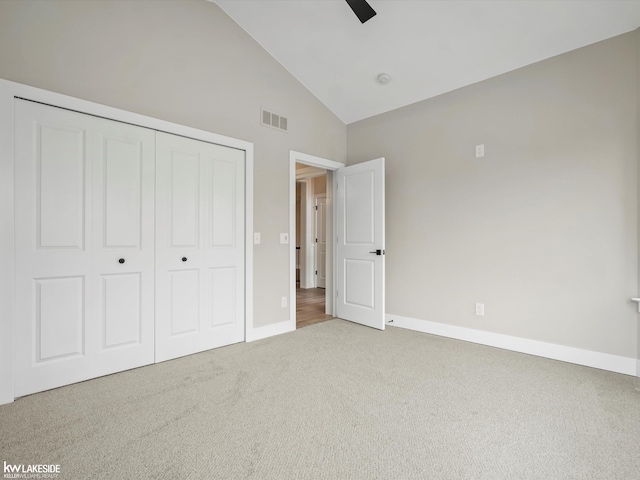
(320, 185)
(186, 62)
(544, 229)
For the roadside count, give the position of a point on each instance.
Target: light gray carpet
(337, 401)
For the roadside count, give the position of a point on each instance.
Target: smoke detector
(384, 78)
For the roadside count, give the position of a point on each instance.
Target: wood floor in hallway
(310, 307)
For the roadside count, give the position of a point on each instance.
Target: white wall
(544, 229)
(186, 62)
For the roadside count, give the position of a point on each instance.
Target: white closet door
(79, 312)
(123, 245)
(199, 246)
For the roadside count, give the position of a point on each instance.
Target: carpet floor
(336, 401)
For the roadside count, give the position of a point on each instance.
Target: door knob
(378, 252)
(121, 260)
(184, 259)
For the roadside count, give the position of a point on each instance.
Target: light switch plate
(284, 238)
(256, 238)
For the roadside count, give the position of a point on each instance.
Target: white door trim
(316, 251)
(330, 166)
(10, 90)
(307, 248)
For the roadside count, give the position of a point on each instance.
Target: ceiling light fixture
(384, 78)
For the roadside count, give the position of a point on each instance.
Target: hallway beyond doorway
(310, 307)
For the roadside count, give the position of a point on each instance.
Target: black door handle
(184, 259)
(121, 260)
(378, 252)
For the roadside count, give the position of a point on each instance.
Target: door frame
(330, 166)
(316, 197)
(8, 92)
(305, 260)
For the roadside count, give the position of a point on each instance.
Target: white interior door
(321, 241)
(84, 200)
(360, 243)
(199, 246)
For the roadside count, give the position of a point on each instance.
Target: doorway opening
(311, 245)
(310, 185)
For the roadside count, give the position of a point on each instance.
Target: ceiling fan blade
(362, 9)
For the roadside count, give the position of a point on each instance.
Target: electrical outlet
(283, 302)
(480, 151)
(480, 309)
(256, 238)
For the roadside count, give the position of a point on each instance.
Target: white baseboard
(588, 358)
(270, 330)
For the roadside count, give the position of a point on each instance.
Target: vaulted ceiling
(428, 47)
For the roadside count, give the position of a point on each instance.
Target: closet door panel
(52, 232)
(200, 218)
(179, 218)
(123, 245)
(60, 318)
(184, 295)
(223, 203)
(223, 292)
(59, 176)
(184, 200)
(122, 319)
(84, 200)
(123, 188)
(224, 251)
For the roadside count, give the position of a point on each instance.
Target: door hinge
(316, 272)
(316, 240)
(316, 207)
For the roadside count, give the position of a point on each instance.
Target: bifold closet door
(199, 246)
(84, 255)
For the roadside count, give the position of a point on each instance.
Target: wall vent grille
(274, 120)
